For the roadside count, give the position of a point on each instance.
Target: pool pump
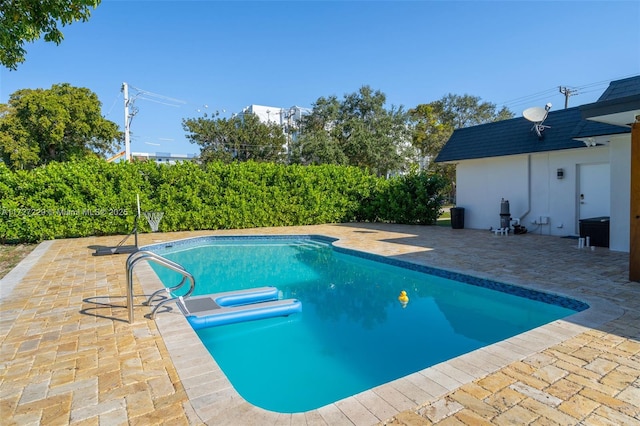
(505, 219)
(505, 216)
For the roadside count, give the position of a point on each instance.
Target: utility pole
(567, 92)
(127, 141)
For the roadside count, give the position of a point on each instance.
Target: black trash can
(457, 217)
(597, 229)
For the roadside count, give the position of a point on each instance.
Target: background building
(162, 157)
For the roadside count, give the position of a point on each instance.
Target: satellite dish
(537, 115)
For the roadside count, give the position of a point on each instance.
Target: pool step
(311, 245)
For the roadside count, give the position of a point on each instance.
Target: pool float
(212, 310)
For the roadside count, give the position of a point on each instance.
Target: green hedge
(93, 197)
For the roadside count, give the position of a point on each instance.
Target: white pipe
(522, 216)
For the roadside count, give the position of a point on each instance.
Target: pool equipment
(505, 216)
(236, 306)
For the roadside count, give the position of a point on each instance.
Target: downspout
(523, 215)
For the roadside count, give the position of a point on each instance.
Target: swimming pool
(353, 334)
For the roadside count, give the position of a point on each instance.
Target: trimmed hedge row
(93, 197)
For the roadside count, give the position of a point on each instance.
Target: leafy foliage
(26, 20)
(240, 138)
(433, 124)
(93, 197)
(356, 131)
(414, 199)
(38, 126)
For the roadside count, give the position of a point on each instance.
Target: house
(580, 167)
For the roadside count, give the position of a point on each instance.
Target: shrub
(415, 198)
(93, 197)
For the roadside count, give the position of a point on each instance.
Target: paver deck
(69, 356)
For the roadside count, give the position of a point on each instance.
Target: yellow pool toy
(403, 298)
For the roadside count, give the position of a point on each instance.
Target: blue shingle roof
(587, 128)
(514, 136)
(619, 104)
(621, 89)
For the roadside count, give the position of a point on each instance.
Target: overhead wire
(157, 95)
(544, 94)
(158, 102)
(114, 103)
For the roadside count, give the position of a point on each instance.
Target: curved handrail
(144, 253)
(139, 256)
(167, 290)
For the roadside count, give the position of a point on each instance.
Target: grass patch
(445, 216)
(11, 255)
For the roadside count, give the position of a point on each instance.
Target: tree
(58, 124)
(26, 20)
(466, 110)
(358, 131)
(239, 138)
(433, 124)
(315, 144)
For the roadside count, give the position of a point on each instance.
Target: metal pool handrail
(139, 256)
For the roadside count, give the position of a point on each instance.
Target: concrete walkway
(69, 356)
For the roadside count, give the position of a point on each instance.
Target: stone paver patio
(69, 356)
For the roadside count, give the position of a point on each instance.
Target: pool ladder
(139, 256)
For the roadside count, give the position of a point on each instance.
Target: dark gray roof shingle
(515, 136)
(619, 104)
(621, 89)
(587, 128)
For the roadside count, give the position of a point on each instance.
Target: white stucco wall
(482, 183)
(530, 183)
(620, 155)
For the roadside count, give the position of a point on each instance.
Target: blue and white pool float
(236, 306)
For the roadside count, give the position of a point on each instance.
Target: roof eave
(620, 112)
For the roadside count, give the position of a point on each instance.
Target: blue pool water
(352, 334)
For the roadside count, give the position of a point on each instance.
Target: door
(594, 190)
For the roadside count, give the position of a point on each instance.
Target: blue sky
(228, 55)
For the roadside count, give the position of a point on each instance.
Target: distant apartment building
(285, 117)
(162, 157)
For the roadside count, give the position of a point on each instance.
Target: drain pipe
(523, 215)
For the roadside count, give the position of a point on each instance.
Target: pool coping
(214, 399)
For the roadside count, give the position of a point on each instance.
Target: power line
(114, 103)
(158, 102)
(162, 99)
(543, 95)
(528, 97)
